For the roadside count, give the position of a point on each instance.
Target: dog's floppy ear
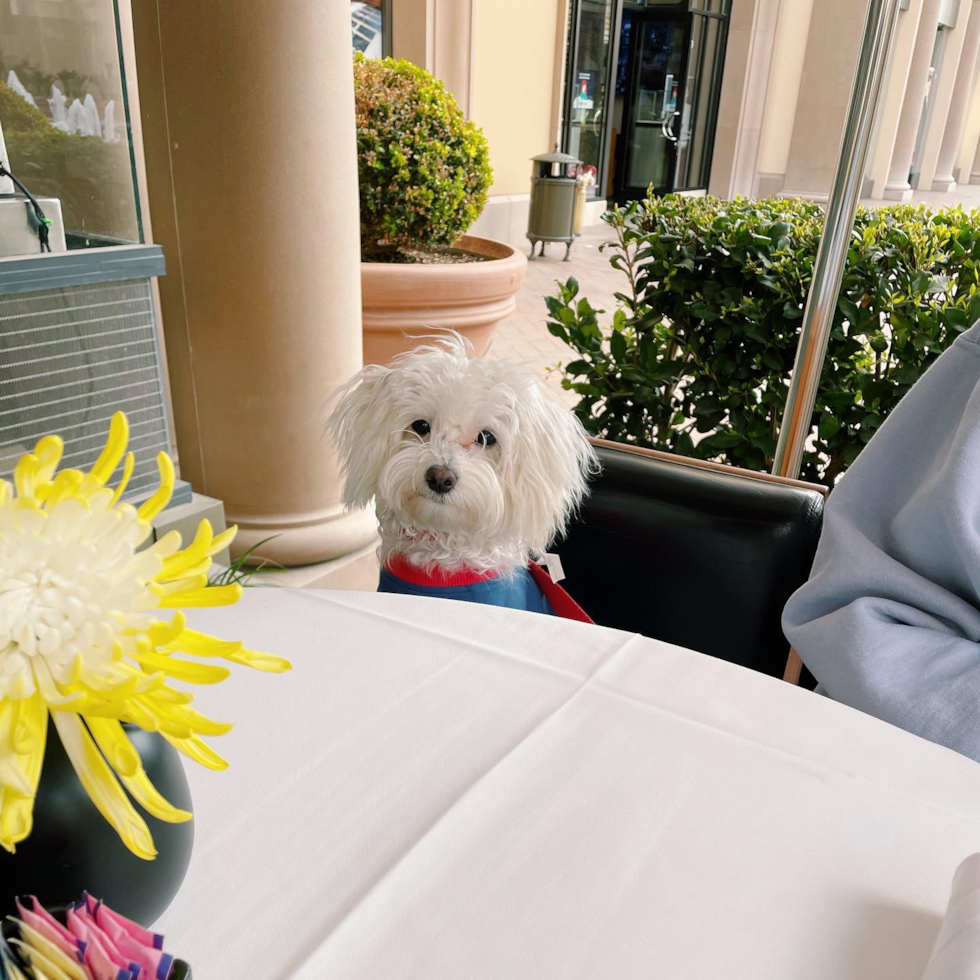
(550, 472)
(361, 429)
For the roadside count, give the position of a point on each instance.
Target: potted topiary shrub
(424, 173)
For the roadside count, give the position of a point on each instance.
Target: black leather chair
(693, 553)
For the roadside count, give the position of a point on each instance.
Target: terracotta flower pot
(402, 302)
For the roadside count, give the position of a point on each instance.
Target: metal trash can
(553, 192)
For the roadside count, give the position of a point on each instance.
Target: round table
(446, 790)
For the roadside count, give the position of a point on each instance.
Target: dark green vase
(73, 849)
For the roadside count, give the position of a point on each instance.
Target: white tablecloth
(443, 790)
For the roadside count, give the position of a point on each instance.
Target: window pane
(586, 127)
(696, 123)
(366, 27)
(64, 115)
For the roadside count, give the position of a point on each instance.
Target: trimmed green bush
(18, 114)
(698, 354)
(424, 169)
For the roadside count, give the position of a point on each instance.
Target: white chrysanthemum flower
(81, 635)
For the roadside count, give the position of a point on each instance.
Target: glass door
(695, 127)
(658, 63)
(593, 30)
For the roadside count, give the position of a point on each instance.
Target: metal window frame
(709, 152)
(796, 424)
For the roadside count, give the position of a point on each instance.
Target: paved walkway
(524, 337)
(966, 194)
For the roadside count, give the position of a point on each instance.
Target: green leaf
(723, 440)
(617, 344)
(829, 426)
(773, 360)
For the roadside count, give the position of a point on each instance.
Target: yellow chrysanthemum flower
(85, 635)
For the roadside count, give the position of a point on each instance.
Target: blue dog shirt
(528, 588)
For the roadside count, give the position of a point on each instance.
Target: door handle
(668, 127)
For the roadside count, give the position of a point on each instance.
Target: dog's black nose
(439, 479)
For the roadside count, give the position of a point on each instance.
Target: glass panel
(366, 26)
(700, 97)
(711, 6)
(659, 60)
(589, 80)
(64, 116)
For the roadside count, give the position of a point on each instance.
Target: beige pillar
(785, 76)
(959, 102)
(893, 99)
(944, 86)
(975, 173)
(738, 132)
(897, 187)
(833, 44)
(971, 134)
(248, 117)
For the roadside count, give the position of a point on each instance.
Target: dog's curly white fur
(519, 458)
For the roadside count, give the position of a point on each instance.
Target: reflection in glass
(366, 24)
(589, 81)
(659, 63)
(698, 109)
(64, 114)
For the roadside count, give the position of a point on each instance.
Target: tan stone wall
(513, 82)
(785, 76)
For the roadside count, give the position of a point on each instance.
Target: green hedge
(696, 358)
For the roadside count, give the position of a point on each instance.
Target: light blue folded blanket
(889, 622)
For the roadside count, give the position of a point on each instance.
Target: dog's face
(478, 454)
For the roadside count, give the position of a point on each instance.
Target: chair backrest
(697, 554)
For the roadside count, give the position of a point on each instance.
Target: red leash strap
(562, 603)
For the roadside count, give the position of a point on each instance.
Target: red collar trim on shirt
(401, 567)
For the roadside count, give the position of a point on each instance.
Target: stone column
(959, 105)
(832, 50)
(898, 188)
(248, 117)
(941, 97)
(893, 95)
(975, 173)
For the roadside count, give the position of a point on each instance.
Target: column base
(944, 184)
(975, 177)
(304, 539)
(357, 572)
(897, 192)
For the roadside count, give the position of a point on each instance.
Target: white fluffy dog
(475, 465)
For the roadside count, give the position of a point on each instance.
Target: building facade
(724, 97)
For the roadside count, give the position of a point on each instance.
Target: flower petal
(168, 477)
(183, 670)
(198, 750)
(16, 810)
(215, 595)
(114, 745)
(115, 446)
(148, 797)
(102, 786)
(129, 463)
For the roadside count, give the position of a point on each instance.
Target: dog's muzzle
(440, 479)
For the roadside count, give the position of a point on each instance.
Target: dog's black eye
(420, 427)
(486, 439)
